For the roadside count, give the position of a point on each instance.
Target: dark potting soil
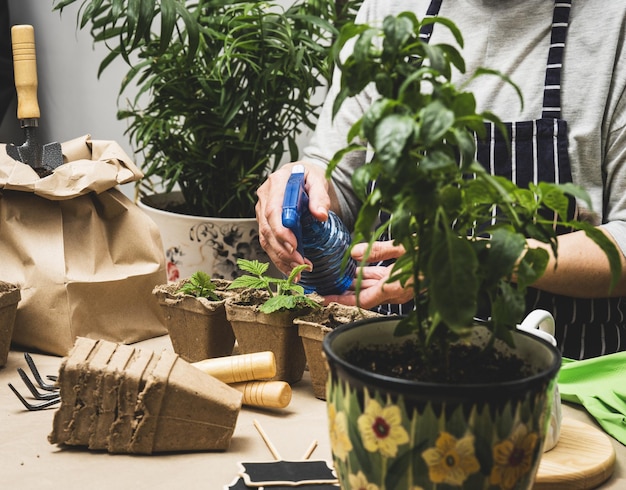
(464, 364)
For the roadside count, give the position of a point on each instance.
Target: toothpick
(267, 441)
(309, 451)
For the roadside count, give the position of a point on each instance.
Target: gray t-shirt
(514, 37)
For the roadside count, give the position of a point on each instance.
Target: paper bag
(85, 257)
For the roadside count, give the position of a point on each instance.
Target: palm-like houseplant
(443, 422)
(223, 87)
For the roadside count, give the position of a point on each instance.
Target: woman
(565, 57)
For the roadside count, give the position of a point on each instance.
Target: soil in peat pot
(463, 364)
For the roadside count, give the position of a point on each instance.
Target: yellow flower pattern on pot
(359, 482)
(380, 442)
(513, 457)
(381, 429)
(452, 460)
(339, 439)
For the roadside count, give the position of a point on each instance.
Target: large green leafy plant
(223, 87)
(441, 200)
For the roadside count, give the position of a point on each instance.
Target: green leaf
(296, 272)
(248, 282)
(397, 31)
(199, 285)
(577, 192)
(608, 247)
(507, 309)
(531, 266)
(391, 138)
(253, 266)
(277, 303)
(437, 60)
(504, 251)
(554, 198)
(436, 120)
(437, 160)
(482, 71)
(168, 22)
(451, 26)
(452, 269)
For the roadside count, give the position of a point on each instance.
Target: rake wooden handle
(269, 394)
(25, 70)
(244, 367)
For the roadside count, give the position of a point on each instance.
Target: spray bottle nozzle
(295, 203)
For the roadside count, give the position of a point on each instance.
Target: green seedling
(284, 294)
(200, 286)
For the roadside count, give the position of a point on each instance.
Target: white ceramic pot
(194, 243)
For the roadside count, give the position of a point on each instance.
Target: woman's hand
(278, 241)
(374, 288)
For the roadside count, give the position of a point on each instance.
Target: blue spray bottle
(324, 243)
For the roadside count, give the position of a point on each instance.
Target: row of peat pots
(385, 433)
(201, 328)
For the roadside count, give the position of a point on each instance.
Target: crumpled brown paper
(88, 166)
(85, 257)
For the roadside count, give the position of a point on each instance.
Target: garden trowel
(42, 158)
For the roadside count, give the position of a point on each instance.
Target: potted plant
(195, 316)
(314, 326)
(223, 88)
(262, 316)
(9, 298)
(470, 409)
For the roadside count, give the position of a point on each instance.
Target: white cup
(541, 324)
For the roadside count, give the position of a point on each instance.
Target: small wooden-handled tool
(44, 158)
(244, 367)
(268, 394)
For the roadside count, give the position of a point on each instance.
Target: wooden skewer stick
(310, 450)
(267, 441)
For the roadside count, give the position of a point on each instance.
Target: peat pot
(9, 298)
(275, 332)
(198, 327)
(389, 433)
(313, 327)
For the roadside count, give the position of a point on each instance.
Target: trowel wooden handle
(269, 394)
(244, 367)
(25, 69)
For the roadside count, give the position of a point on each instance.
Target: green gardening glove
(598, 384)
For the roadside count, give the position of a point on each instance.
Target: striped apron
(585, 328)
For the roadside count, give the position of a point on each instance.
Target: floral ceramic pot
(193, 243)
(389, 433)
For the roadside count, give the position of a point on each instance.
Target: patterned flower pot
(312, 329)
(198, 327)
(194, 243)
(388, 433)
(9, 298)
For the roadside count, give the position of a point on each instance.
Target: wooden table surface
(28, 461)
